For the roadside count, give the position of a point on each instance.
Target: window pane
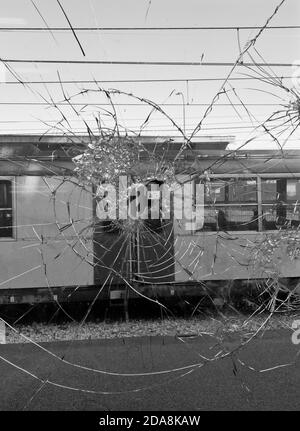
(215, 191)
(230, 218)
(5, 194)
(242, 191)
(281, 203)
(280, 216)
(269, 190)
(274, 190)
(6, 223)
(231, 190)
(293, 189)
(5, 209)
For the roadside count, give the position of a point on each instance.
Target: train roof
(206, 153)
(51, 142)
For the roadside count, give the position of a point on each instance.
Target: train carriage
(53, 247)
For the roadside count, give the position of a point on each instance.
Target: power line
(103, 81)
(150, 63)
(76, 120)
(213, 116)
(136, 129)
(52, 104)
(67, 29)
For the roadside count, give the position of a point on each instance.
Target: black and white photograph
(149, 212)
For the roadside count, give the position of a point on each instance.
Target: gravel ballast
(41, 332)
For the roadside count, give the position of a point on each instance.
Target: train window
(231, 218)
(293, 189)
(6, 216)
(280, 203)
(242, 191)
(231, 191)
(231, 205)
(215, 191)
(272, 190)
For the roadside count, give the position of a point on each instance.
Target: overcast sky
(275, 46)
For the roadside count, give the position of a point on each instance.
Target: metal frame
(12, 179)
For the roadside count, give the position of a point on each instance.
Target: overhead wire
(103, 81)
(132, 104)
(145, 63)
(139, 28)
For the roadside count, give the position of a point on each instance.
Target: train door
(155, 239)
(138, 249)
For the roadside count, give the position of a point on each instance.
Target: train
(53, 247)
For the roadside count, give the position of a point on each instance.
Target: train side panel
(226, 256)
(48, 214)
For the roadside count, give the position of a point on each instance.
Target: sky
(217, 46)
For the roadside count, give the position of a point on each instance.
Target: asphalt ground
(33, 379)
